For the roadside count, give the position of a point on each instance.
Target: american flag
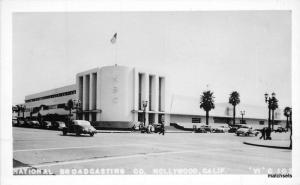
(114, 38)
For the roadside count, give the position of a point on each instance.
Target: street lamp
(77, 105)
(243, 113)
(144, 111)
(268, 100)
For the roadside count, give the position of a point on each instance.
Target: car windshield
(82, 123)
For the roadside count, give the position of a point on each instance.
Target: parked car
(47, 124)
(234, 128)
(136, 126)
(21, 122)
(280, 129)
(225, 128)
(61, 125)
(14, 122)
(246, 131)
(220, 129)
(217, 130)
(207, 128)
(79, 127)
(34, 124)
(200, 130)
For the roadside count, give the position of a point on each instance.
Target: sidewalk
(127, 131)
(279, 140)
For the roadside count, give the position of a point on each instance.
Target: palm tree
(207, 103)
(291, 128)
(273, 107)
(286, 113)
(70, 106)
(18, 109)
(234, 99)
(22, 109)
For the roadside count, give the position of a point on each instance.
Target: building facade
(114, 97)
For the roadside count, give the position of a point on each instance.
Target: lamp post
(144, 111)
(23, 108)
(243, 113)
(269, 101)
(77, 105)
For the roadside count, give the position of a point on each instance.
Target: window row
(51, 96)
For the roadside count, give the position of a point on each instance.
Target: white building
(113, 96)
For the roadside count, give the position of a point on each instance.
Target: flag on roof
(114, 38)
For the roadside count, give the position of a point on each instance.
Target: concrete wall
(116, 90)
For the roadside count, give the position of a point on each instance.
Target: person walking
(268, 134)
(263, 133)
(162, 129)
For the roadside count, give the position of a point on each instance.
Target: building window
(196, 120)
(140, 117)
(261, 122)
(140, 91)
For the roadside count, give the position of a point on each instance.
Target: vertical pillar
(84, 98)
(162, 94)
(146, 90)
(136, 90)
(155, 118)
(147, 119)
(98, 94)
(91, 89)
(90, 116)
(156, 97)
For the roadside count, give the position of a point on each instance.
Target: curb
(102, 131)
(267, 146)
(113, 131)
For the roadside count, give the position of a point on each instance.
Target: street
(136, 153)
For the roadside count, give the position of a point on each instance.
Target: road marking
(67, 148)
(109, 158)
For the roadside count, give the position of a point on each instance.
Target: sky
(246, 51)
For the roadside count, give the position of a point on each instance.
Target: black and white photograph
(152, 93)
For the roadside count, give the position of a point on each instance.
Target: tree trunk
(207, 116)
(233, 115)
(287, 123)
(291, 145)
(269, 121)
(272, 119)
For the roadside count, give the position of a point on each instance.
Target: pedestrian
(162, 129)
(268, 134)
(263, 133)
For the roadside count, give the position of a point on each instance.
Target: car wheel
(64, 132)
(91, 134)
(77, 133)
(238, 134)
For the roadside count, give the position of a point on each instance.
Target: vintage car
(47, 124)
(207, 128)
(60, 124)
(246, 131)
(222, 128)
(14, 122)
(280, 129)
(200, 130)
(137, 126)
(34, 124)
(79, 127)
(21, 122)
(234, 128)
